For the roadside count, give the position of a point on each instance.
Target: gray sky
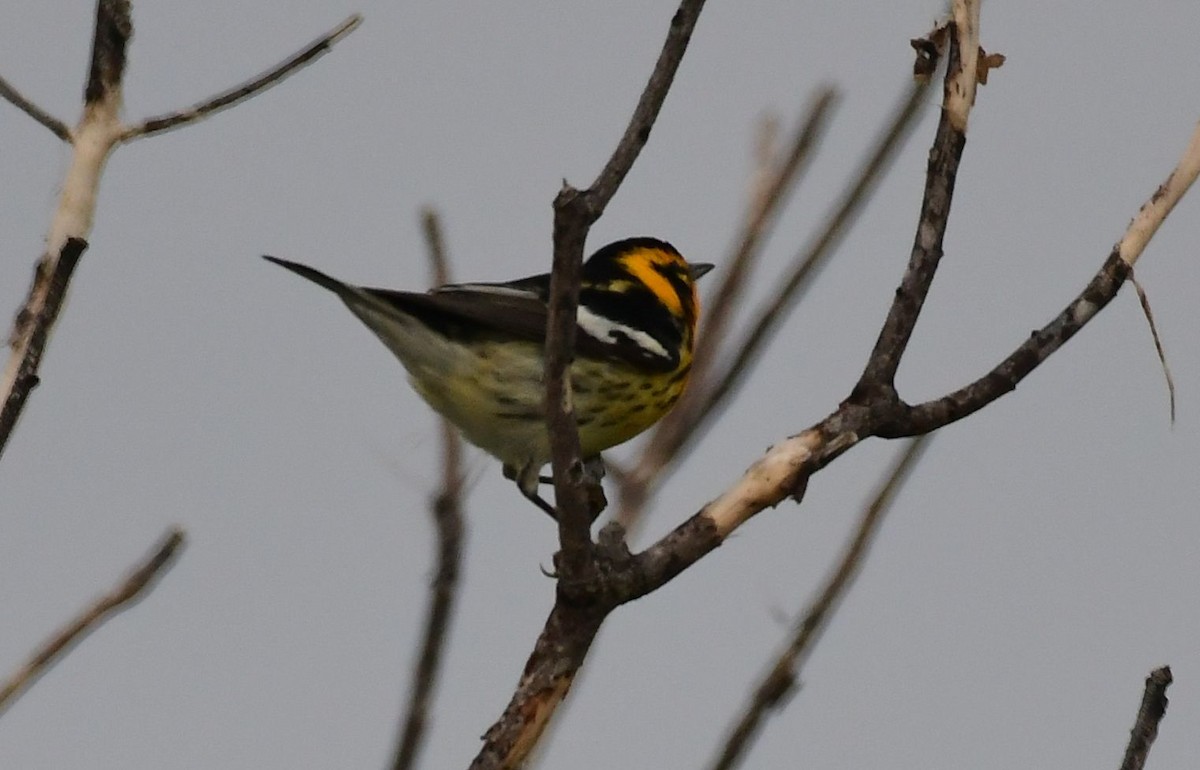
(1041, 561)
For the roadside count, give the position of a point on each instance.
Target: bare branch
(774, 689)
(605, 574)
(114, 29)
(448, 519)
(125, 595)
(880, 372)
(780, 177)
(1145, 728)
(877, 411)
(31, 330)
(806, 266)
(545, 681)
(582, 603)
(15, 98)
(574, 213)
(1154, 211)
(435, 246)
(1103, 287)
(99, 131)
(240, 93)
(637, 133)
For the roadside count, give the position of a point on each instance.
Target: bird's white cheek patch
(608, 331)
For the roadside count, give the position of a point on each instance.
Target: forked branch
(574, 213)
(606, 575)
(98, 133)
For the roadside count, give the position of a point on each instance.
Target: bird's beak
(699, 269)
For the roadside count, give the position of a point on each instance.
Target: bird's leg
(546, 507)
(527, 481)
(593, 470)
(593, 473)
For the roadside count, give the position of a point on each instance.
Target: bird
(475, 351)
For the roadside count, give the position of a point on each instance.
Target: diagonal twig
(18, 100)
(243, 91)
(774, 689)
(31, 331)
(131, 590)
(705, 403)
(780, 178)
(448, 520)
(809, 261)
(785, 468)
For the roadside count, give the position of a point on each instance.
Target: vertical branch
(93, 140)
(582, 600)
(1145, 728)
(448, 519)
(958, 96)
(574, 214)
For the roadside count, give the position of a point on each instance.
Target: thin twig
(780, 177)
(132, 589)
(1151, 712)
(776, 686)
(16, 99)
(435, 246)
(448, 519)
(239, 93)
(574, 213)
(637, 133)
(1158, 346)
(806, 266)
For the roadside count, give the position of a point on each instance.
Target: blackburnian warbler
(474, 351)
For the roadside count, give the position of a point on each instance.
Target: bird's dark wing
(518, 309)
(501, 310)
(477, 310)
